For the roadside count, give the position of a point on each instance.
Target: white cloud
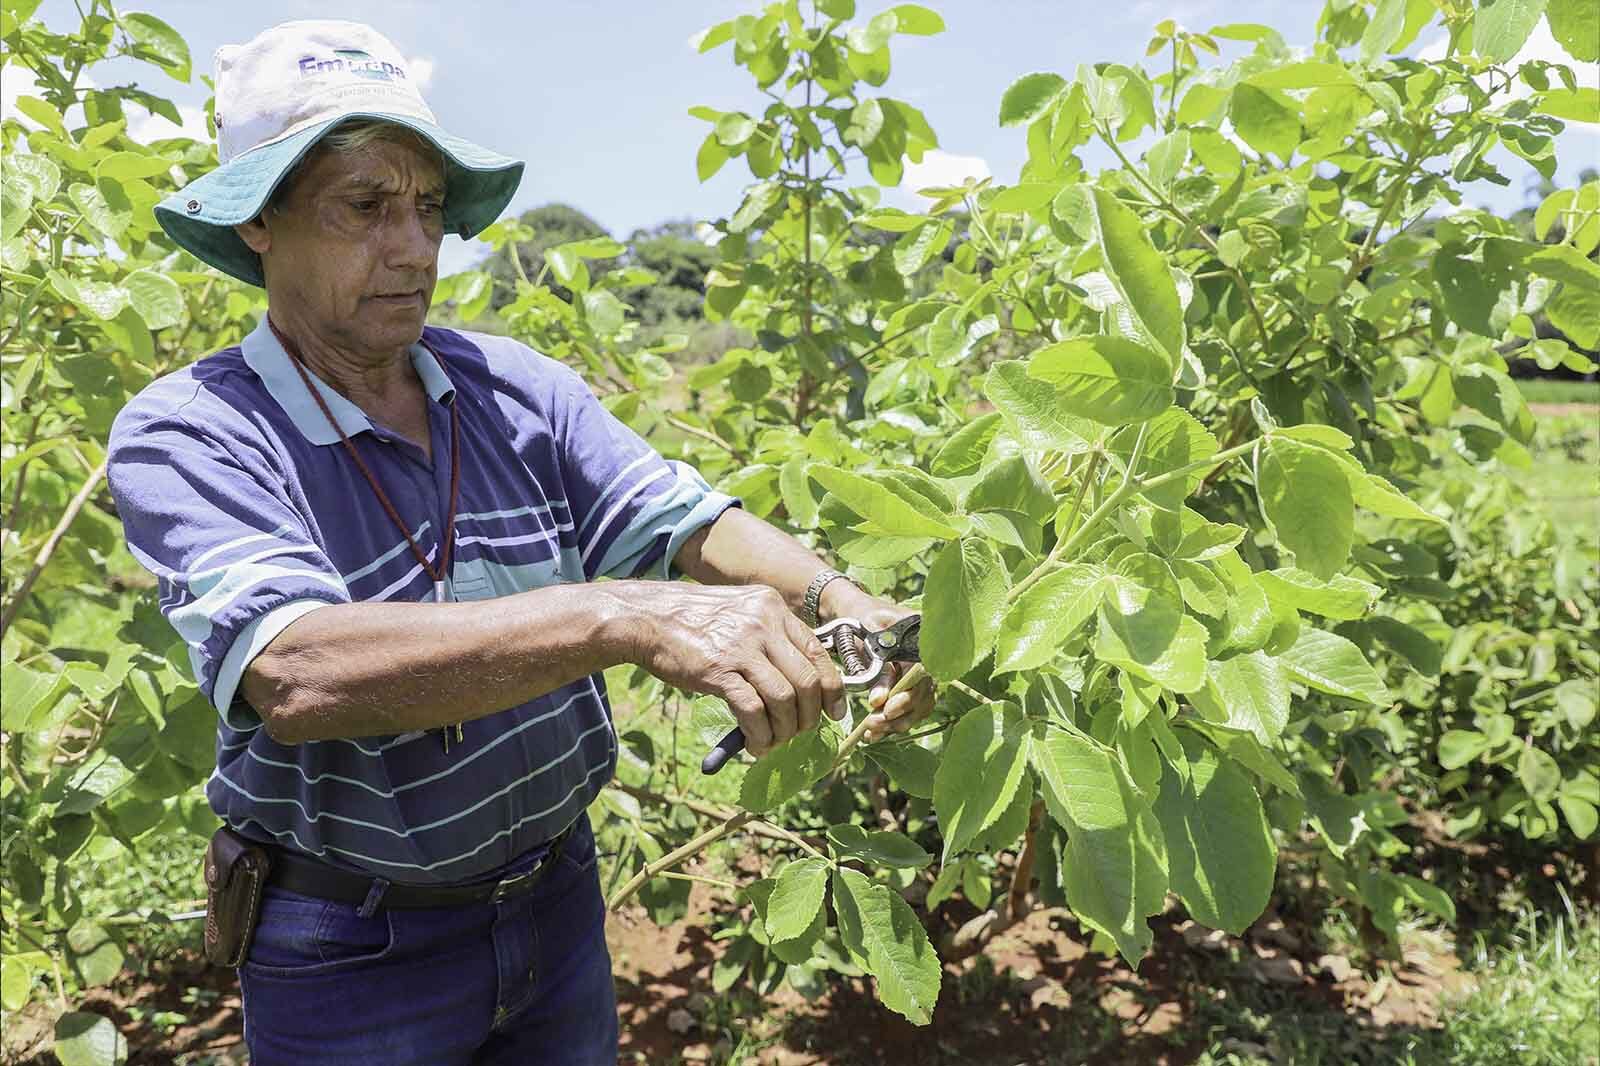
(420, 68)
(943, 168)
(144, 127)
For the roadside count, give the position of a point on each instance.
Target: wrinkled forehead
(389, 167)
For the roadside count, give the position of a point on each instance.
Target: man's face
(353, 246)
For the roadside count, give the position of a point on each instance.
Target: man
(381, 541)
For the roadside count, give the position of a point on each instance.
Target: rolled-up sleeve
(633, 509)
(234, 561)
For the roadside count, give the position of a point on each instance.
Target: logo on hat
(351, 61)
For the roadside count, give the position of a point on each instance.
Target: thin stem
(962, 686)
(693, 847)
(676, 876)
(50, 545)
(703, 434)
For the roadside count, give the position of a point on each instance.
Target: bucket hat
(280, 93)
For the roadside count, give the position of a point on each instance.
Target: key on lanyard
(441, 594)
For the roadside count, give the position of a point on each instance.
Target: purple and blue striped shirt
(235, 492)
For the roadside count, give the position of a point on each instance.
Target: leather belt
(298, 873)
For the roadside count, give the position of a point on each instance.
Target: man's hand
(741, 643)
(841, 599)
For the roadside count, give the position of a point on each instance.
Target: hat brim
(200, 217)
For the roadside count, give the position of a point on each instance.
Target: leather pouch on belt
(236, 872)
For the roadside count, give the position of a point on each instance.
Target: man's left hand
(840, 599)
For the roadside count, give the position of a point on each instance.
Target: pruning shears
(865, 653)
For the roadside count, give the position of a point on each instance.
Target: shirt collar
(264, 355)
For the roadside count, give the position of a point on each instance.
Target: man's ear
(255, 235)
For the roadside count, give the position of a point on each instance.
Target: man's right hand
(738, 642)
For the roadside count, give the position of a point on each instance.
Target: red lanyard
(438, 575)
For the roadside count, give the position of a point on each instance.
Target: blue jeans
(527, 981)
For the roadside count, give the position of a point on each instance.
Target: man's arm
(367, 669)
(741, 549)
(370, 669)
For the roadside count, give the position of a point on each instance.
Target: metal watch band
(814, 594)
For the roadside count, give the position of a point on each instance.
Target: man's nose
(414, 236)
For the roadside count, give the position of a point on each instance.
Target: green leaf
(1573, 105)
(1011, 484)
(1172, 439)
(878, 848)
(1029, 97)
(909, 516)
(1387, 22)
(162, 42)
(1219, 847)
(1339, 597)
(1375, 493)
(1036, 409)
(1329, 663)
(1469, 290)
(126, 166)
(1114, 868)
(110, 219)
(17, 973)
(1106, 379)
(1572, 24)
(881, 932)
(41, 176)
(1248, 692)
(1415, 646)
(1539, 773)
(95, 955)
(788, 769)
(1144, 629)
(155, 297)
(963, 599)
(1460, 746)
(1502, 27)
(979, 771)
(84, 1039)
(1305, 74)
(1045, 615)
(1266, 119)
(796, 899)
(710, 158)
(27, 691)
(1581, 815)
(916, 20)
(913, 250)
(910, 766)
(1307, 498)
(1139, 274)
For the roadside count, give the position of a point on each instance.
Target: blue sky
(595, 95)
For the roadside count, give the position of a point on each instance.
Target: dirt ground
(1034, 993)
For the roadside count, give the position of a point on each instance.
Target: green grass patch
(1559, 390)
(1534, 1004)
(1565, 476)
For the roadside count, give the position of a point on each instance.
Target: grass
(1559, 390)
(1565, 476)
(1537, 1003)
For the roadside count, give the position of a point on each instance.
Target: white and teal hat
(277, 96)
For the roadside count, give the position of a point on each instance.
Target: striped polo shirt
(236, 493)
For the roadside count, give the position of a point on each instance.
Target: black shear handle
(726, 748)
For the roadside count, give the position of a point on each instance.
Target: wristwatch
(813, 598)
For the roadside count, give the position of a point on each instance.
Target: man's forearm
(370, 669)
(741, 549)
